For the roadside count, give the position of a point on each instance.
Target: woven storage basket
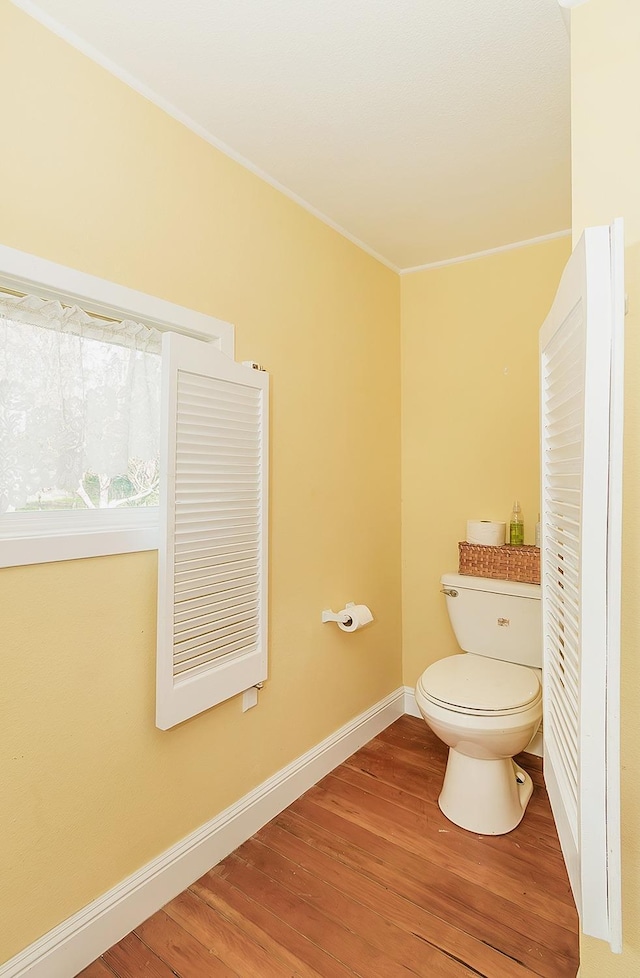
(505, 563)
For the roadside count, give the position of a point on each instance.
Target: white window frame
(34, 538)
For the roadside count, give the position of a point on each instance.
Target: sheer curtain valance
(79, 408)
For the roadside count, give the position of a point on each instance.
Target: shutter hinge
(253, 365)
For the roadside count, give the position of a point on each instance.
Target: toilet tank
(499, 619)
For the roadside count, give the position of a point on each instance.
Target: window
(80, 403)
(79, 410)
(118, 434)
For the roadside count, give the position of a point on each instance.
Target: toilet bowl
(483, 791)
(486, 707)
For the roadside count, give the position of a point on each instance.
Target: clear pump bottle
(516, 526)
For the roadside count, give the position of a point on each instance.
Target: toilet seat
(478, 686)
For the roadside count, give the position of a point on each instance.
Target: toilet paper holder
(352, 617)
(342, 616)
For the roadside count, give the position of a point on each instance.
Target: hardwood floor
(364, 876)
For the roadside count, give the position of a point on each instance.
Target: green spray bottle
(516, 526)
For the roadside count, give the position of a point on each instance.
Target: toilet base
(488, 797)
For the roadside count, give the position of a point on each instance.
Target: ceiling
(424, 130)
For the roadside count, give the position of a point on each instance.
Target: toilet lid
(475, 683)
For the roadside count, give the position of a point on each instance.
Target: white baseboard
(410, 705)
(71, 946)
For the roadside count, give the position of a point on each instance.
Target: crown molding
(32, 9)
(489, 251)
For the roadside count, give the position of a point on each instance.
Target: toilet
(486, 702)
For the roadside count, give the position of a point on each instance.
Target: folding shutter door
(578, 556)
(212, 635)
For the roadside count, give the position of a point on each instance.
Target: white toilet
(486, 704)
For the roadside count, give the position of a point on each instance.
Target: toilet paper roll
(487, 532)
(359, 615)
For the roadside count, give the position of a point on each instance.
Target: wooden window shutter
(212, 574)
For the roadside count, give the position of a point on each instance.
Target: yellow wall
(469, 418)
(95, 177)
(605, 77)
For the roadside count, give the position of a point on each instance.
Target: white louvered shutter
(577, 559)
(212, 576)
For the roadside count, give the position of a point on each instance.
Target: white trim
(410, 705)
(562, 824)
(71, 946)
(131, 81)
(40, 538)
(490, 251)
(614, 586)
(22, 272)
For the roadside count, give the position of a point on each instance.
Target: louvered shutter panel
(212, 575)
(563, 411)
(575, 361)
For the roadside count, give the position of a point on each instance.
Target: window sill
(40, 538)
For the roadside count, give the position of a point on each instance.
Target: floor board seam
(362, 876)
(436, 915)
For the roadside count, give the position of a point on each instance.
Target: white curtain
(79, 399)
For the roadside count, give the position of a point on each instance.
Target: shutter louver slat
(218, 640)
(208, 657)
(202, 481)
(564, 403)
(201, 667)
(192, 512)
(222, 425)
(219, 521)
(216, 573)
(216, 636)
(231, 461)
(191, 570)
(220, 498)
(573, 375)
(225, 419)
(568, 436)
(232, 444)
(224, 543)
(212, 587)
(189, 627)
(208, 387)
(187, 610)
(207, 576)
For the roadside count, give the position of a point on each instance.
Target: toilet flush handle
(449, 591)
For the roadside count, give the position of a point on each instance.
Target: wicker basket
(505, 563)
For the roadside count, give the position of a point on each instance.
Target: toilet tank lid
(461, 581)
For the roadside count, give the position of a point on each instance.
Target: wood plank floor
(364, 876)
